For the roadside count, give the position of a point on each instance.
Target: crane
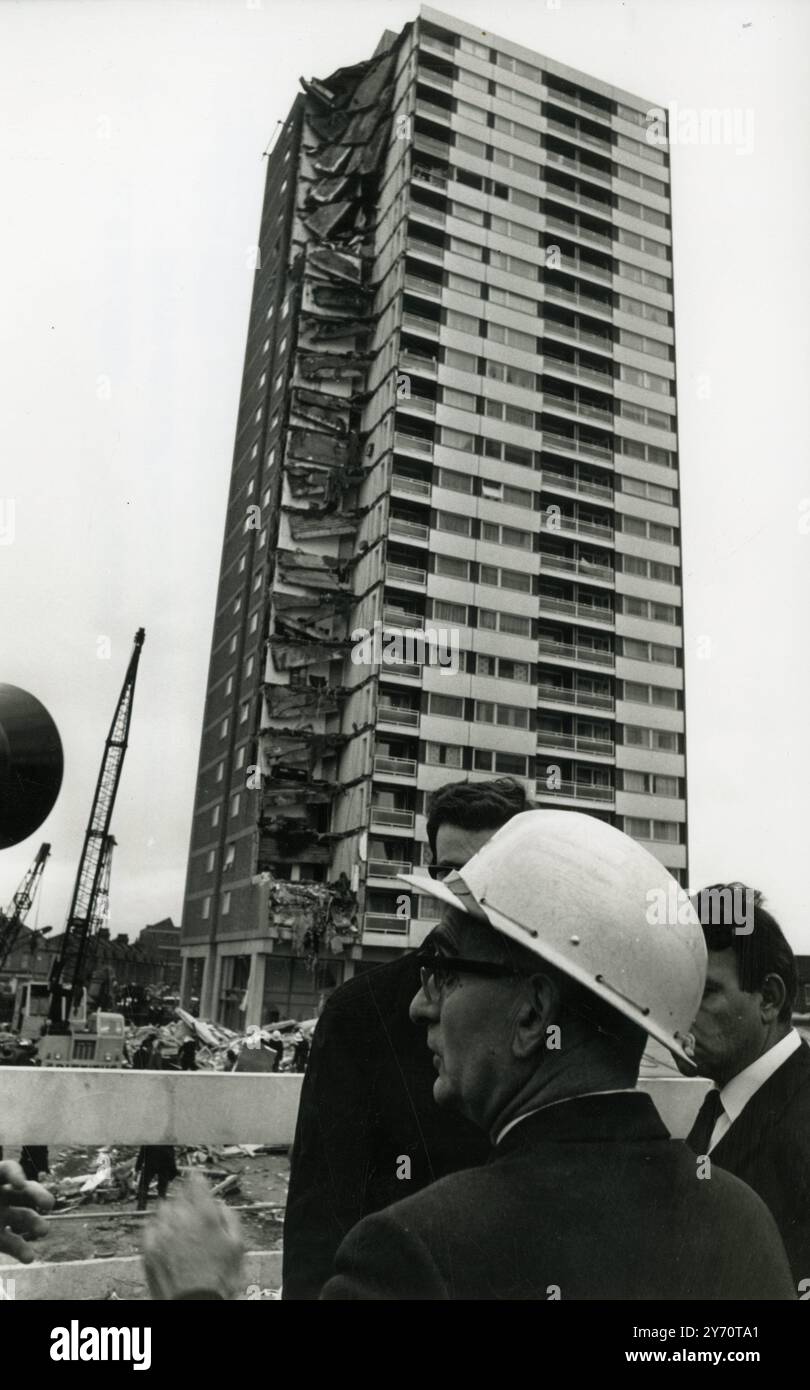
(12, 921)
(77, 952)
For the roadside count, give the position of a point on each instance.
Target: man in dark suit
(368, 1130)
(756, 1124)
(538, 991)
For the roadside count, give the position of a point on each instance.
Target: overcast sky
(132, 136)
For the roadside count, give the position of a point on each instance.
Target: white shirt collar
(562, 1101)
(736, 1094)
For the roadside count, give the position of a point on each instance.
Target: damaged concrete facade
(457, 423)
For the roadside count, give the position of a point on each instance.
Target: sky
(132, 135)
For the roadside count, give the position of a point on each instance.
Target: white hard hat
(595, 904)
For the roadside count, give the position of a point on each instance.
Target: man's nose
(421, 1010)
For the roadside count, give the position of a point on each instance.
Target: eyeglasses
(437, 972)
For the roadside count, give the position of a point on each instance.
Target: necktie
(709, 1113)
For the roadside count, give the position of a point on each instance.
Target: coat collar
(767, 1104)
(623, 1116)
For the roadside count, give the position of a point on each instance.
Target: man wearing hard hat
(539, 990)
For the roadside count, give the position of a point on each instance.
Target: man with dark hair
(368, 1130)
(756, 1123)
(538, 990)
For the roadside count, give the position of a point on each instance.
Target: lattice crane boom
(82, 922)
(12, 921)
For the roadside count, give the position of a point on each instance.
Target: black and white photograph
(404, 663)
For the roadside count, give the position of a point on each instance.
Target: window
(634, 782)
(657, 532)
(232, 645)
(643, 310)
(469, 249)
(666, 656)
(645, 181)
(478, 50)
(519, 68)
(229, 685)
(460, 361)
(244, 713)
(664, 697)
(220, 771)
(514, 265)
(652, 491)
(663, 613)
(512, 716)
(642, 212)
(476, 148)
(645, 415)
(513, 670)
(516, 163)
(226, 904)
(666, 830)
(642, 149)
(459, 400)
(462, 323)
(457, 439)
(643, 243)
(447, 706)
(456, 482)
(651, 278)
(240, 758)
(205, 909)
(235, 803)
(209, 861)
(506, 579)
(463, 285)
(486, 665)
(215, 816)
(242, 563)
(650, 453)
(451, 568)
(449, 612)
(513, 764)
(464, 211)
(511, 337)
(472, 79)
(506, 535)
(526, 103)
(230, 856)
(451, 521)
(518, 131)
(444, 754)
(634, 526)
(517, 231)
(513, 376)
(254, 622)
(223, 728)
(266, 345)
(510, 300)
(484, 712)
(637, 343)
(638, 828)
(469, 112)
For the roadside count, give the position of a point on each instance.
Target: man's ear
(536, 1016)
(773, 997)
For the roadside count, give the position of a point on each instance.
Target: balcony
(579, 300)
(575, 526)
(419, 405)
(574, 334)
(414, 487)
(579, 266)
(420, 324)
(567, 695)
(553, 440)
(427, 214)
(408, 530)
(580, 104)
(418, 362)
(405, 574)
(408, 670)
(385, 923)
(414, 443)
(574, 609)
(567, 652)
(432, 178)
(431, 146)
(420, 285)
(581, 791)
(587, 568)
(432, 45)
(426, 249)
(432, 110)
(439, 79)
(399, 820)
(581, 200)
(575, 369)
(578, 166)
(396, 714)
(389, 868)
(578, 407)
(573, 133)
(395, 767)
(577, 743)
(583, 486)
(399, 617)
(574, 229)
